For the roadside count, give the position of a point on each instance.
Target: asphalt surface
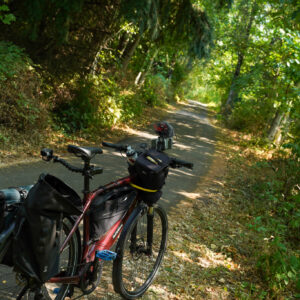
(194, 142)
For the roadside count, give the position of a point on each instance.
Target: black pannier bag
(9, 197)
(108, 208)
(2, 210)
(39, 224)
(149, 173)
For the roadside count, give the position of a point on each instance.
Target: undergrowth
(38, 110)
(264, 186)
(23, 111)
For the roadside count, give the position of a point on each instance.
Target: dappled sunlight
(181, 172)
(206, 140)
(194, 103)
(205, 257)
(183, 147)
(186, 125)
(182, 255)
(189, 195)
(211, 259)
(203, 119)
(202, 140)
(189, 137)
(140, 133)
(218, 182)
(113, 153)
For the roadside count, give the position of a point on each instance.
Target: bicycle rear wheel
(12, 283)
(137, 260)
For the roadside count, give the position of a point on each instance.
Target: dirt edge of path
(207, 254)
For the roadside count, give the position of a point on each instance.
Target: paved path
(194, 142)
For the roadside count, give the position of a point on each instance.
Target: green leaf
(8, 19)
(4, 8)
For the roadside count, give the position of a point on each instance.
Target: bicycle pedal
(106, 255)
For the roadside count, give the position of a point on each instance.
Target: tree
(247, 9)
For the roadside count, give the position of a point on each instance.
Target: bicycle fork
(135, 239)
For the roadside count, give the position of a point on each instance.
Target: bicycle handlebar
(119, 147)
(174, 163)
(67, 165)
(177, 163)
(47, 155)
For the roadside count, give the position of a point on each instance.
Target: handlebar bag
(150, 170)
(108, 208)
(39, 224)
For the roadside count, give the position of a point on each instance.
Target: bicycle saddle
(84, 152)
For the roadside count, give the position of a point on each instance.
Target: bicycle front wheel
(140, 251)
(12, 283)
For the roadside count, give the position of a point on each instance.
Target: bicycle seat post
(87, 177)
(88, 171)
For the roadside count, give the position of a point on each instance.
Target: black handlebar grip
(67, 165)
(189, 165)
(175, 163)
(120, 147)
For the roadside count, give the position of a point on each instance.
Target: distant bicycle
(42, 247)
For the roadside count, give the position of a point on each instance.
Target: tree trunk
(123, 43)
(275, 126)
(282, 130)
(142, 75)
(280, 122)
(129, 52)
(233, 92)
(93, 68)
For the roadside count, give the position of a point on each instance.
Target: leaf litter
(210, 247)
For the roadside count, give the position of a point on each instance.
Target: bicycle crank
(91, 276)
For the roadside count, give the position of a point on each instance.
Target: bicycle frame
(105, 242)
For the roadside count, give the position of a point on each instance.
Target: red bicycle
(124, 211)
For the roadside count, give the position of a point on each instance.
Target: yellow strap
(143, 189)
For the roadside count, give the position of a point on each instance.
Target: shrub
(156, 90)
(21, 100)
(250, 114)
(131, 105)
(91, 104)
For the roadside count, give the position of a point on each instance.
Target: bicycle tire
(11, 289)
(132, 259)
